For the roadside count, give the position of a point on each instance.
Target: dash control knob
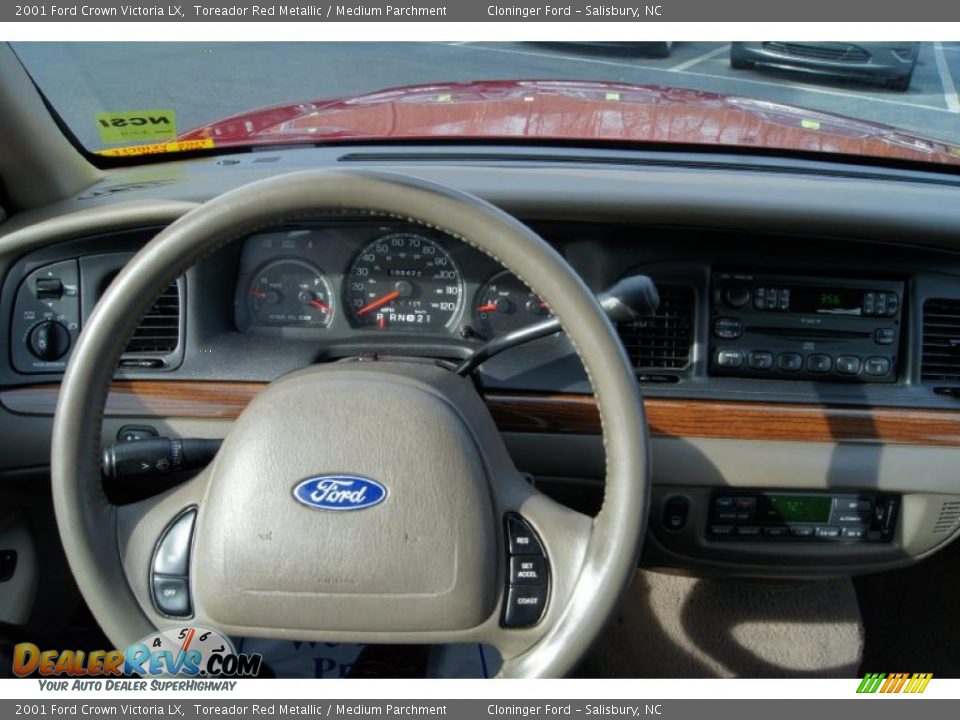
(736, 296)
(49, 340)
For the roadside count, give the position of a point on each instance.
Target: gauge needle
(489, 307)
(322, 306)
(258, 293)
(378, 302)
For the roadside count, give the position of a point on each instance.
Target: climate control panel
(802, 516)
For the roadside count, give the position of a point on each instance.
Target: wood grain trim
(557, 413)
(523, 412)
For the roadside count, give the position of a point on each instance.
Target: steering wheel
(430, 563)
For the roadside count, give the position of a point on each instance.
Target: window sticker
(132, 126)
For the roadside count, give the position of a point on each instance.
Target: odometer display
(404, 281)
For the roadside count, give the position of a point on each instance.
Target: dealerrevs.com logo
(186, 652)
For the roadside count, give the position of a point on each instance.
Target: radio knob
(736, 296)
(49, 341)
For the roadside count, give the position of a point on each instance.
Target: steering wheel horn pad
(426, 565)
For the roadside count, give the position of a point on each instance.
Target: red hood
(571, 110)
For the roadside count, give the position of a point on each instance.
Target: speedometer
(404, 281)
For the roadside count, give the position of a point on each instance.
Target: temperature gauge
(506, 304)
(290, 292)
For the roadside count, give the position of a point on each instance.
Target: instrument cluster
(341, 278)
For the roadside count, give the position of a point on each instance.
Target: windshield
(893, 100)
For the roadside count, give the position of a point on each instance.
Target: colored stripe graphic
(914, 683)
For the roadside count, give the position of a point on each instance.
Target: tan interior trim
(556, 413)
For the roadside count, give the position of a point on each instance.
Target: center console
(800, 328)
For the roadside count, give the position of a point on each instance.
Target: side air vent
(941, 341)
(159, 331)
(948, 519)
(663, 342)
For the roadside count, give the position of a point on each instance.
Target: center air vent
(663, 342)
(941, 341)
(159, 331)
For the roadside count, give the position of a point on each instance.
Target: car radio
(784, 327)
(805, 516)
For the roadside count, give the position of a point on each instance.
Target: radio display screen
(796, 508)
(827, 300)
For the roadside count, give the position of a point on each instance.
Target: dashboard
(801, 374)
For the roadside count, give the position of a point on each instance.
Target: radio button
(725, 501)
(893, 304)
(785, 299)
(746, 502)
(801, 530)
(881, 304)
(773, 298)
(730, 358)
(884, 336)
(848, 365)
(721, 529)
(854, 533)
(827, 531)
(877, 366)
(775, 530)
(736, 296)
(727, 328)
(790, 362)
(748, 530)
(759, 298)
(760, 360)
(869, 303)
(819, 363)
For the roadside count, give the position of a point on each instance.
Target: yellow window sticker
(136, 126)
(158, 148)
(810, 124)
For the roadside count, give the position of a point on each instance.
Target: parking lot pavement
(205, 82)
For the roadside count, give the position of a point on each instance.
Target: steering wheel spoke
(155, 540)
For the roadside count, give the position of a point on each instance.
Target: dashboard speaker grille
(948, 519)
(941, 341)
(663, 342)
(159, 331)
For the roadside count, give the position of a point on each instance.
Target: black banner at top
(739, 11)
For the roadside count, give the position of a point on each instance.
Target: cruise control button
(173, 553)
(819, 363)
(877, 366)
(525, 605)
(528, 570)
(760, 360)
(848, 365)
(171, 596)
(521, 538)
(730, 358)
(790, 362)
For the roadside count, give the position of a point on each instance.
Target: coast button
(525, 605)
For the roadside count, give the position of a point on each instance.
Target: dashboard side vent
(159, 331)
(948, 519)
(663, 342)
(941, 341)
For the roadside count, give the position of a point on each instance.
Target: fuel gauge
(506, 304)
(290, 292)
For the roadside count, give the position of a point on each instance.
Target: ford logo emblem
(339, 492)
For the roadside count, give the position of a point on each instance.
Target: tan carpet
(676, 627)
